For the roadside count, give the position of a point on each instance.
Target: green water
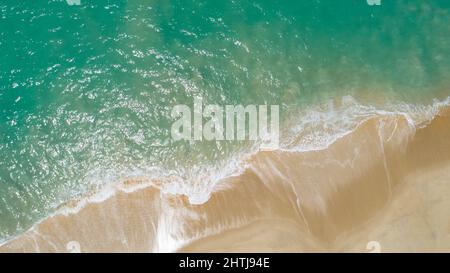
(86, 91)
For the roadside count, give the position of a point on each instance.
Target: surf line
(229, 122)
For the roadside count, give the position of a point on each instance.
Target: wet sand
(386, 181)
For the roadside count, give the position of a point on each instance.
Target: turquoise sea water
(86, 91)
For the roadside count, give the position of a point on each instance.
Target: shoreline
(269, 189)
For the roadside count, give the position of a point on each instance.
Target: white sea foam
(316, 128)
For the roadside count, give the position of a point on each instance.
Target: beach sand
(387, 181)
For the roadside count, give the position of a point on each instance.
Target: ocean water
(86, 90)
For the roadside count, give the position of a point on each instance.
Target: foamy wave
(314, 128)
(197, 183)
(317, 127)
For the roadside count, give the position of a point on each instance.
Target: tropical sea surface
(86, 91)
